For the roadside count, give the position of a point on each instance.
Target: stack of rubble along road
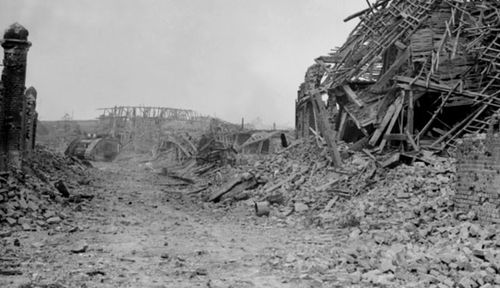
(33, 197)
(399, 222)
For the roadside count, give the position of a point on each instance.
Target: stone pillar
(16, 45)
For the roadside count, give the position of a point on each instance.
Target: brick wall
(478, 178)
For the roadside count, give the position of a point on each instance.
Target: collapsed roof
(421, 73)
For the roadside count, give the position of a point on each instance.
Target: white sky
(229, 58)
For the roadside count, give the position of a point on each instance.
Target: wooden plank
(391, 161)
(385, 121)
(445, 88)
(342, 127)
(411, 141)
(356, 121)
(352, 96)
(389, 74)
(399, 106)
(411, 112)
(360, 13)
(395, 137)
(439, 131)
(283, 182)
(328, 132)
(319, 139)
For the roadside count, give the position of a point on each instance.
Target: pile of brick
(302, 173)
(406, 232)
(400, 225)
(33, 198)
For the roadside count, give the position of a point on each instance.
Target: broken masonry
(17, 105)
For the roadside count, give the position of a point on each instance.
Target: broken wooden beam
(361, 13)
(352, 96)
(282, 182)
(342, 125)
(399, 105)
(445, 88)
(411, 113)
(395, 137)
(411, 141)
(385, 121)
(391, 72)
(391, 161)
(327, 131)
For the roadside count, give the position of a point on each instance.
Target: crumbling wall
(17, 105)
(478, 177)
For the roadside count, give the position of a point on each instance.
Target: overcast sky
(229, 58)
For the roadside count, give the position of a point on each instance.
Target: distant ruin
(18, 114)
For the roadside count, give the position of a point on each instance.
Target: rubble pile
(412, 74)
(406, 231)
(33, 197)
(400, 223)
(298, 173)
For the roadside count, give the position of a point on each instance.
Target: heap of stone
(396, 226)
(301, 173)
(406, 232)
(34, 197)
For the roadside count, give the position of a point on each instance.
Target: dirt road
(135, 233)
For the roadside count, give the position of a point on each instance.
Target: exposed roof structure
(420, 72)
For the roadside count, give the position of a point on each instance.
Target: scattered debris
(62, 188)
(28, 195)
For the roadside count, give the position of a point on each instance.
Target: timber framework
(417, 74)
(129, 122)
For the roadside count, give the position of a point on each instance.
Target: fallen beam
(328, 133)
(389, 74)
(399, 106)
(352, 96)
(385, 121)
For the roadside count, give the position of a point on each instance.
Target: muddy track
(136, 234)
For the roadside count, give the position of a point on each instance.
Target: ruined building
(17, 104)
(415, 75)
(422, 72)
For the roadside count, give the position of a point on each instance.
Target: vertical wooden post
(342, 125)
(410, 112)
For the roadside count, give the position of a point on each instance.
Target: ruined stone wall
(478, 178)
(17, 105)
